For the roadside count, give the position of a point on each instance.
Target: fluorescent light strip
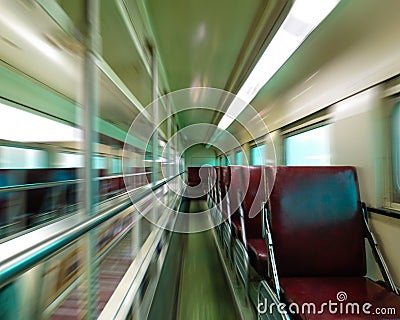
(22, 126)
(303, 18)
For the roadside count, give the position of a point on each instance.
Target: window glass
(239, 160)
(308, 148)
(116, 166)
(68, 160)
(100, 163)
(396, 153)
(228, 160)
(259, 155)
(22, 158)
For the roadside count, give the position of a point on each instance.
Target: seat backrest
(204, 173)
(66, 194)
(225, 179)
(216, 182)
(235, 185)
(253, 198)
(35, 199)
(316, 222)
(219, 177)
(193, 176)
(3, 197)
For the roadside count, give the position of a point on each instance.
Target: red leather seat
(253, 179)
(258, 256)
(235, 185)
(225, 178)
(197, 178)
(121, 184)
(193, 176)
(223, 184)
(35, 199)
(3, 198)
(204, 173)
(236, 227)
(318, 235)
(218, 183)
(215, 186)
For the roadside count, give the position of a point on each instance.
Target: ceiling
(197, 44)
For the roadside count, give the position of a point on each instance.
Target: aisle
(204, 292)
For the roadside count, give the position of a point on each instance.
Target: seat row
(303, 230)
(22, 205)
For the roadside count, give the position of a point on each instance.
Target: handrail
(385, 212)
(39, 185)
(123, 175)
(42, 185)
(119, 308)
(119, 304)
(99, 204)
(21, 262)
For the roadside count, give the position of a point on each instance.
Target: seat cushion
(346, 294)
(258, 255)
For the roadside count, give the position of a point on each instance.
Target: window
(396, 153)
(228, 160)
(259, 155)
(308, 148)
(22, 158)
(238, 158)
(116, 166)
(68, 160)
(23, 126)
(100, 162)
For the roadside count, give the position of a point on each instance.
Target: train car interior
(199, 160)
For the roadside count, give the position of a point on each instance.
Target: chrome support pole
(155, 118)
(228, 207)
(168, 146)
(377, 253)
(270, 245)
(219, 206)
(210, 187)
(242, 218)
(90, 111)
(229, 214)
